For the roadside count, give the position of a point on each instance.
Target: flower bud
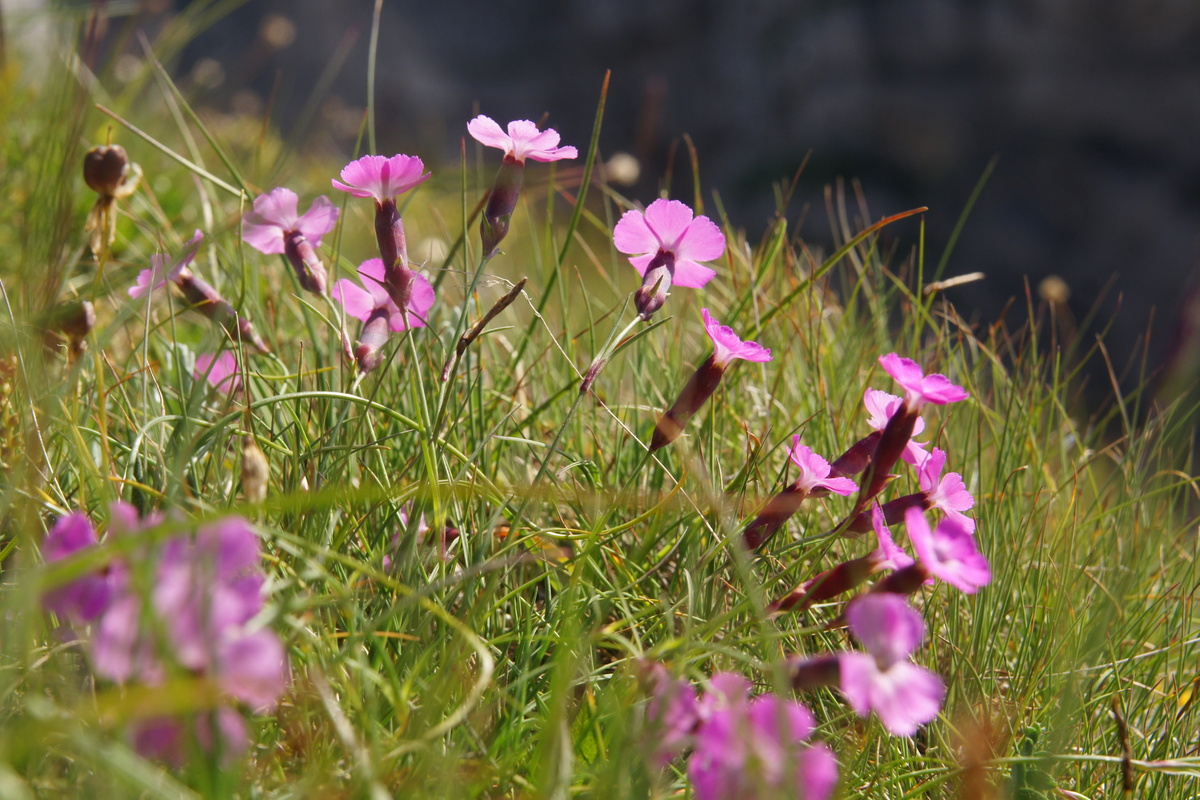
(256, 471)
(656, 284)
(774, 516)
(375, 334)
(208, 301)
(105, 168)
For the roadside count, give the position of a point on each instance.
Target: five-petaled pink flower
(665, 245)
(949, 552)
(920, 388)
(221, 371)
(522, 141)
(948, 494)
(380, 177)
(814, 471)
(904, 695)
(276, 227)
(374, 305)
(728, 345)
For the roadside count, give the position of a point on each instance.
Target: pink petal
(277, 207)
(816, 772)
(221, 371)
(904, 371)
(880, 407)
(362, 177)
(372, 274)
(319, 220)
(906, 697)
(418, 306)
(253, 669)
(553, 154)
(690, 275)
(400, 173)
(702, 241)
(266, 239)
(372, 268)
(889, 629)
(632, 235)
(488, 132)
(729, 346)
(889, 554)
(356, 300)
(858, 672)
(669, 219)
(526, 136)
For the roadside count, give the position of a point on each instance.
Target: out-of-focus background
(1090, 110)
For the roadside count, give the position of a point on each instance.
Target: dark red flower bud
(656, 284)
(375, 334)
(309, 269)
(502, 201)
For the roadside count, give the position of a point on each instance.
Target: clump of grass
(468, 573)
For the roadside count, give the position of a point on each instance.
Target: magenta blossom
(382, 178)
(888, 555)
(275, 226)
(376, 307)
(666, 245)
(880, 408)
(86, 597)
(904, 695)
(161, 271)
(949, 552)
(728, 345)
(757, 747)
(220, 370)
(362, 301)
(919, 388)
(814, 471)
(948, 494)
(671, 715)
(522, 141)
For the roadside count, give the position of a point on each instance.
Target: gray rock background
(1091, 108)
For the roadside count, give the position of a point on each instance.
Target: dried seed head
(105, 168)
(256, 471)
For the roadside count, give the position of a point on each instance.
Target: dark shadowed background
(1091, 110)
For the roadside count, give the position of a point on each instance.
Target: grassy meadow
(469, 576)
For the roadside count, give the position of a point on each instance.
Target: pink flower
(880, 408)
(381, 178)
(522, 141)
(361, 302)
(814, 472)
(87, 596)
(919, 388)
(949, 552)
(275, 215)
(667, 226)
(155, 278)
(274, 227)
(888, 555)
(221, 371)
(728, 346)
(949, 494)
(744, 746)
(671, 715)
(904, 695)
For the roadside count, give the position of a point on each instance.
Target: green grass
(508, 669)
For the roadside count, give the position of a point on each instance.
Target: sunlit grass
(506, 667)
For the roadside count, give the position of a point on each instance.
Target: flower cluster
(184, 606)
(738, 746)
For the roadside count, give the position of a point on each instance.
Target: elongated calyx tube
(393, 251)
(502, 201)
(892, 441)
(310, 272)
(827, 585)
(368, 353)
(699, 388)
(203, 298)
(774, 516)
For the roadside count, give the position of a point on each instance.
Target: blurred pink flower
(381, 178)
(949, 552)
(522, 141)
(155, 278)
(729, 346)
(88, 596)
(920, 388)
(814, 471)
(888, 554)
(220, 370)
(904, 695)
